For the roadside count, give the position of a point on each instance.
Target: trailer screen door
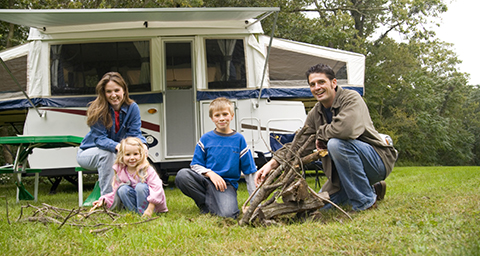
(179, 100)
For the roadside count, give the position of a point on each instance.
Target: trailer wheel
(164, 177)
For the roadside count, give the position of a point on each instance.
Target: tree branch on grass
(52, 214)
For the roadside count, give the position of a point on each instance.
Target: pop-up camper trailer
(175, 60)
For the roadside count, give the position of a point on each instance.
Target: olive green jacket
(350, 120)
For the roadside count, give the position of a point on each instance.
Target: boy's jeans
(359, 167)
(102, 161)
(206, 196)
(134, 199)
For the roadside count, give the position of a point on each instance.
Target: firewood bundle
(285, 191)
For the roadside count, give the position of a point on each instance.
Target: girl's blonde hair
(220, 103)
(99, 108)
(142, 165)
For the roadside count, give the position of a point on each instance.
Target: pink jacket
(155, 185)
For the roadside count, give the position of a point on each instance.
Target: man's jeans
(102, 161)
(134, 199)
(206, 196)
(359, 167)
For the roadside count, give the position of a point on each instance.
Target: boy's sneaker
(380, 189)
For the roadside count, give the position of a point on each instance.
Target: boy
(220, 156)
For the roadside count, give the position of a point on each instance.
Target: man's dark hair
(323, 69)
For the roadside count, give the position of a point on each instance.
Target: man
(358, 155)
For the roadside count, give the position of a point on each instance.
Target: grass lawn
(426, 211)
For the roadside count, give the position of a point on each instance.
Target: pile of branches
(95, 219)
(285, 190)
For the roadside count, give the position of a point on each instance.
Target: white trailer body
(175, 60)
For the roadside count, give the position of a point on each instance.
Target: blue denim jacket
(101, 137)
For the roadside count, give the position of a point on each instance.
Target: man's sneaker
(380, 189)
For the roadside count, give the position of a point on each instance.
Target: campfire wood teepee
(286, 183)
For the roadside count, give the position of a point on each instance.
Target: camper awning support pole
(263, 17)
(266, 60)
(19, 86)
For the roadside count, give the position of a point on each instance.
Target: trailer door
(179, 99)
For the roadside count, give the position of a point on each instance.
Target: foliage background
(413, 88)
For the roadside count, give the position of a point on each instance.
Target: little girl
(136, 185)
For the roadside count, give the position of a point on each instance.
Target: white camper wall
(54, 123)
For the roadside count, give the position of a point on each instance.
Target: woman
(112, 116)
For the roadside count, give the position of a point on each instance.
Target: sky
(460, 26)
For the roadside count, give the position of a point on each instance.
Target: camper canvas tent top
(175, 60)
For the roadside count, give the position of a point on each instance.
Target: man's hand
(261, 174)
(217, 180)
(320, 145)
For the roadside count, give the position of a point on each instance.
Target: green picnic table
(26, 144)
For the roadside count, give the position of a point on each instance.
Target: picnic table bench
(26, 144)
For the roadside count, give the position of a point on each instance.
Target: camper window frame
(244, 70)
(127, 73)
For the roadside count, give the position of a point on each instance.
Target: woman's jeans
(206, 196)
(134, 199)
(359, 167)
(102, 161)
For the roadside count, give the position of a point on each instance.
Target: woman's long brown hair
(99, 108)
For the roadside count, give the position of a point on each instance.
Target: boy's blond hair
(219, 104)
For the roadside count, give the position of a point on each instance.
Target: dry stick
(27, 206)
(290, 151)
(325, 199)
(269, 201)
(55, 208)
(120, 224)
(275, 174)
(244, 207)
(68, 217)
(21, 212)
(296, 159)
(101, 230)
(86, 215)
(295, 141)
(44, 219)
(323, 153)
(291, 154)
(294, 170)
(106, 210)
(286, 177)
(264, 193)
(260, 195)
(295, 150)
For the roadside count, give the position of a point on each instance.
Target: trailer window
(287, 68)
(8, 87)
(75, 69)
(226, 57)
